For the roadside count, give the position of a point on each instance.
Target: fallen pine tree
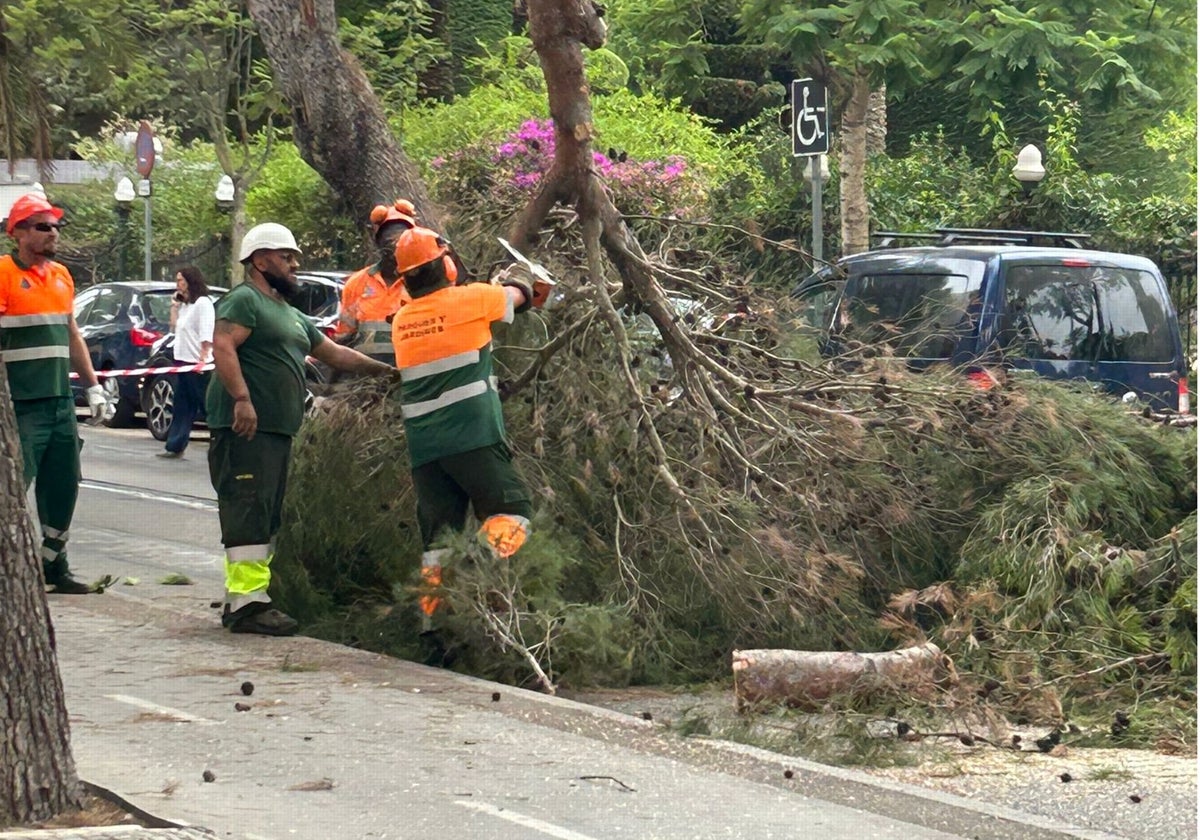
(706, 483)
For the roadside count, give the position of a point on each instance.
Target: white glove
(97, 402)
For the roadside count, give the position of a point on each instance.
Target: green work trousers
(50, 447)
(484, 478)
(250, 477)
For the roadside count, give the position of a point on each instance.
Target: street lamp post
(144, 191)
(124, 196)
(1029, 170)
(817, 174)
(224, 195)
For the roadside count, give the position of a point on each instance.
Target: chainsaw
(543, 283)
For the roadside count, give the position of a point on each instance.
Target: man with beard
(40, 342)
(374, 293)
(255, 406)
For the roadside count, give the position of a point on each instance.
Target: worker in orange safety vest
(374, 293)
(452, 419)
(40, 343)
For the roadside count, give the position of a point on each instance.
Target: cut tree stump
(810, 679)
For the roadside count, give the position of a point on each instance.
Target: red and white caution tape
(198, 367)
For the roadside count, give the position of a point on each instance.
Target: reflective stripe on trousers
(247, 575)
(29, 354)
(431, 578)
(505, 533)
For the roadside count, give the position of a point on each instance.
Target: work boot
(65, 584)
(260, 619)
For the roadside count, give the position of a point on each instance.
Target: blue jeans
(189, 402)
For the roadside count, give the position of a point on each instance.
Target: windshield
(923, 316)
(156, 306)
(1085, 313)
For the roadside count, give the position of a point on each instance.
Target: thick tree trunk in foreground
(37, 770)
(338, 124)
(809, 678)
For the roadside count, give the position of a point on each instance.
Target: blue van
(979, 298)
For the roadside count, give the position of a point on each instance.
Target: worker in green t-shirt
(255, 405)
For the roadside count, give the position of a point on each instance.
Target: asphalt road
(142, 518)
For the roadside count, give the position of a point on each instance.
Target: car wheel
(160, 407)
(122, 416)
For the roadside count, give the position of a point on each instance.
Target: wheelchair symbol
(808, 123)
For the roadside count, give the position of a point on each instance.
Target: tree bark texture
(877, 122)
(559, 30)
(37, 770)
(809, 679)
(856, 212)
(337, 121)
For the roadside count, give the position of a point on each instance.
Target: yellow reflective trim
(244, 577)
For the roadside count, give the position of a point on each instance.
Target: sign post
(145, 164)
(810, 138)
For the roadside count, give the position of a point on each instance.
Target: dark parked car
(319, 297)
(975, 298)
(120, 323)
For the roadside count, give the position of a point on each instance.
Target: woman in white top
(192, 319)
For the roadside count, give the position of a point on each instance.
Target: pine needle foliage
(1042, 534)
(349, 531)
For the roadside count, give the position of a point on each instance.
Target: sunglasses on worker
(44, 227)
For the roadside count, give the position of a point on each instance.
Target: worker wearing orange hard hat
(40, 343)
(452, 419)
(374, 293)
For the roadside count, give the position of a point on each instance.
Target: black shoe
(65, 584)
(266, 622)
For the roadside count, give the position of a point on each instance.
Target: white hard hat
(269, 236)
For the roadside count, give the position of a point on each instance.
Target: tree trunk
(37, 770)
(810, 678)
(559, 30)
(877, 122)
(337, 121)
(438, 80)
(856, 212)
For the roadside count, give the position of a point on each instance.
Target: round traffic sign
(145, 149)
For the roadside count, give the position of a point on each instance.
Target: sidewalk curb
(144, 816)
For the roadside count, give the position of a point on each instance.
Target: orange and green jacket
(36, 305)
(443, 344)
(367, 302)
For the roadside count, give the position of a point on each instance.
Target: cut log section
(809, 679)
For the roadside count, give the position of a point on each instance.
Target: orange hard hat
(400, 210)
(28, 205)
(418, 246)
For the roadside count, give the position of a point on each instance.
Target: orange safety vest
(36, 306)
(367, 304)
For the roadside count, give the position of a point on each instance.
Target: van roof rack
(977, 236)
